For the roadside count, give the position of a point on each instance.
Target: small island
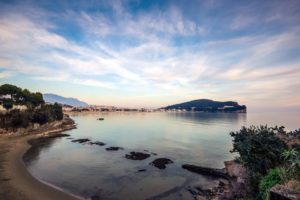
(207, 105)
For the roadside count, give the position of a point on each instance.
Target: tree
(13, 91)
(7, 104)
(19, 96)
(258, 147)
(58, 111)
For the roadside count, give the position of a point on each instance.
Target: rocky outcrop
(114, 148)
(161, 163)
(233, 181)
(219, 173)
(137, 156)
(83, 140)
(210, 192)
(280, 192)
(142, 170)
(290, 138)
(97, 143)
(239, 179)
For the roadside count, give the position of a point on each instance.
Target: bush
(47, 113)
(258, 147)
(42, 115)
(58, 113)
(7, 104)
(267, 182)
(14, 119)
(292, 162)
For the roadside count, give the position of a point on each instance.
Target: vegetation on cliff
(10, 94)
(270, 160)
(37, 111)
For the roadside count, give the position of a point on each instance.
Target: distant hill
(209, 106)
(52, 98)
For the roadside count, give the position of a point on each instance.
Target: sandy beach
(16, 183)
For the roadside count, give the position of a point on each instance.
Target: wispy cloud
(5, 74)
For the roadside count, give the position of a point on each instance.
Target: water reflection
(209, 118)
(38, 146)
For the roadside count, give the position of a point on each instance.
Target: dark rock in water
(95, 197)
(114, 148)
(97, 143)
(161, 163)
(141, 170)
(192, 191)
(81, 140)
(206, 171)
(210, 192)
(137, 156)
(207, 192)
(101, 119)
(221, 184)
(70, 138)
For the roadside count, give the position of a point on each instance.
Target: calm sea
(192, 138)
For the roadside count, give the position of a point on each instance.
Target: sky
(144, 53)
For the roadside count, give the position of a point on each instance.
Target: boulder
(219, 173)
(114, 148)
(83, 140)
(161, 163)
(280, 192)
(97, 143)
(137, 156)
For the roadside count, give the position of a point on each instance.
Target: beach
(16, 183)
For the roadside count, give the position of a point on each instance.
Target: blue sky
(154, 53)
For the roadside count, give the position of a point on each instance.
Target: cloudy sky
(154, 53)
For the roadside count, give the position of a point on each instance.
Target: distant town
(97, 108)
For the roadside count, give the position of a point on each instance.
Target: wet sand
(16, 183)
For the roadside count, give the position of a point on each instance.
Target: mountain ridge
(52, 98)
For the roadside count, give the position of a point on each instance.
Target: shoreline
(16, 182)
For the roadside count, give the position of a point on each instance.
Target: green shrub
(267, 182)
(40, 116)
(258, 147)
(292, 162)
(7, 104)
